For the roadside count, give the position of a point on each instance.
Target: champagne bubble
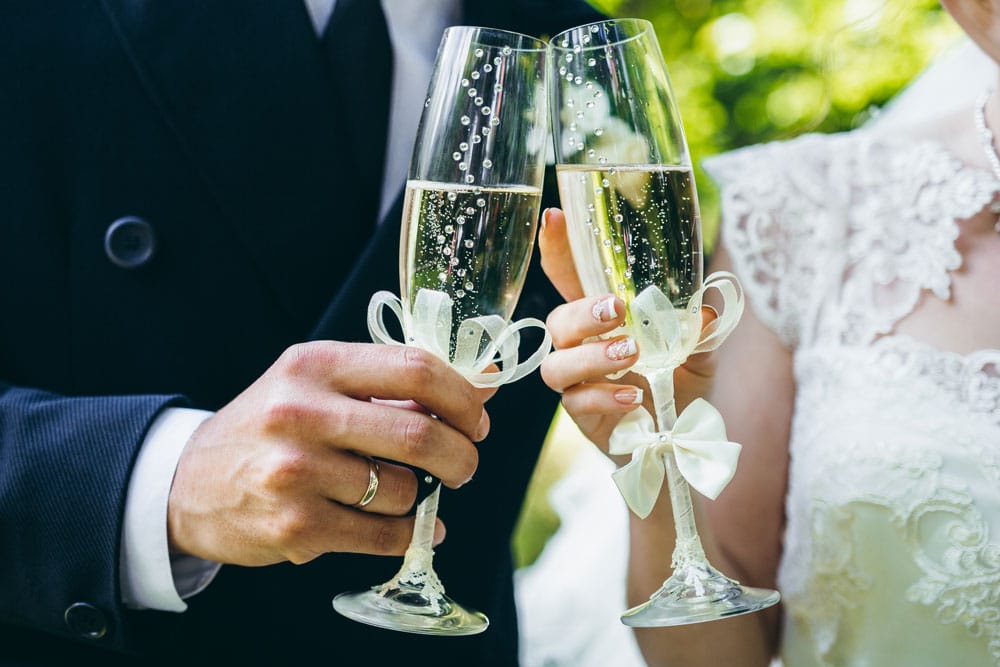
(605, 182)
(460, 219)
(497, 87)
(579, 147)
(569, 76)
(469, 178)
(565, 43)
(470, 211)
(589, 104)
(442, 276)
(479, 102)
(494, 121)
(598, 131)
(480, 202)
(459, 293)
(448, 229)
(486, 111)
(485, 131)
(585, 39)
(487, 163)
(446, 250)
(463, 146)
(591, 61)
(607, 244)
(460, 272)
(607, 270)
(569, 57)
(469, 243)
(617, 248)
(562, 70)
(506, 50)
(602, 160)
(598, 190)
(476, 138)
(453, 261)
(497, 60)
(570, 103)
(577, 49)
(591, 153)
(465, 120)
(440, 238)
(452, 196)
(477, 190)
(475, 75)
(578, 79)
(593, 29)
(462, 166)
(479, 53)
(579, 114)
(472, 92)
(456, 155)
(619, 217)
(627, 273)
(589, 85)
(487, 68)
(465, 83)
(469, 285)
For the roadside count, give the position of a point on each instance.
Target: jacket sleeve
(64, 470)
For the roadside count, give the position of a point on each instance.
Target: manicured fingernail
(604, 310)
(621, 349)
(545, 218)
(629, 396)
(439, 533)
(483, 429)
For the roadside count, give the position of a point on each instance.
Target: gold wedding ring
(372, 483)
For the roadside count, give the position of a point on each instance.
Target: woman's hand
(579, 369)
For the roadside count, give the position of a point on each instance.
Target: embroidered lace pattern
(893, 504)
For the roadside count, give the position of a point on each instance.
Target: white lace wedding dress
(892, 545)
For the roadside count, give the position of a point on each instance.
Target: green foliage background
(750, 71)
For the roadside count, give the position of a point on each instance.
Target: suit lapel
(246, 88)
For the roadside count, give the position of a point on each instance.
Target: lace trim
(860, 222)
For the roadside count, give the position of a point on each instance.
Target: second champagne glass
(469, 221)
(626, 183)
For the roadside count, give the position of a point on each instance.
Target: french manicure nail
(621, 349)
(604, 310)
(629, 396)
(545, 218)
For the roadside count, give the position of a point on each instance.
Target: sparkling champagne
(633, 226)
(473, 243)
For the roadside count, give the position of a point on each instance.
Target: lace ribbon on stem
(479, 343)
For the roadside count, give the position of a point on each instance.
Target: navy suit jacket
(215, 123)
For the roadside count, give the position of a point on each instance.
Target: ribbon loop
(479, 343)
(705, 457)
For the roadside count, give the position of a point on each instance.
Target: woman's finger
(588, 362)
(557, 260)
(601, 399)
(571, 323)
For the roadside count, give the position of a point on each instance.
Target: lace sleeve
(774, 199)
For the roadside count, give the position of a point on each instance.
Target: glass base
(410, 609)
(696, 594)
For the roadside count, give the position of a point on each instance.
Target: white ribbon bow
(480, 342)
(705, 456)
(665, 340)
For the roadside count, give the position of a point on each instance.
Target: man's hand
(274, 474)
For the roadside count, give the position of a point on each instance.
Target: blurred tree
(750, 71)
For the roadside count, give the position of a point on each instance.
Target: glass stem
(417, 571)
(687, 549)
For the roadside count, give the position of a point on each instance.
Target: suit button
(129, 242)
(86, 620)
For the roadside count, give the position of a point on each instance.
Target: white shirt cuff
(150, 577)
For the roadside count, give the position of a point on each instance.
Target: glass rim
(542, 46)
(647, 27)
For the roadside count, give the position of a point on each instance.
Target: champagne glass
(626, 183)
(469, 221)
